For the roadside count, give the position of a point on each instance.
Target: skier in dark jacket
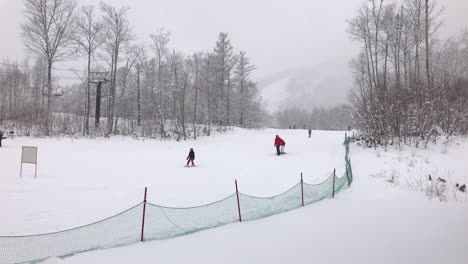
(1, 137)
(190, 157)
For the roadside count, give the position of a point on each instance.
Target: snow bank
(409, 168)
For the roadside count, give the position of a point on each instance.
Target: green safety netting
(316, 192)
(120, 229)
(165, 222)
(349, 171)
(258, 207)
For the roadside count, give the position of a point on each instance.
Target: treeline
(146, 89)
(334, 118)
(409, 85)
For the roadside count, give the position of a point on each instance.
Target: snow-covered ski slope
(86, 180)
(372, 222)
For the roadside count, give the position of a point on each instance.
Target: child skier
(190, 158)
(279, 143)
(310, 132)
(283, 145)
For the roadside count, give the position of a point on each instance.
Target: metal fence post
(238, 202)
(143, 220)
(302, 190)
(347, 176)
(334, 176)
(346, 144)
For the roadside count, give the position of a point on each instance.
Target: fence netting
(316, 192)
(120, 229)
(165, 222)
(252, 207)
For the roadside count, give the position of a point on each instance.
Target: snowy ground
(409, 168)
(82, 181)
(374, 221)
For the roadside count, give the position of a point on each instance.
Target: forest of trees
(144, 88)
(409, 84)
(333, 118)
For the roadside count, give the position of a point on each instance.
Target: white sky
(277, 34)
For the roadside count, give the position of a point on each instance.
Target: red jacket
(279, 141)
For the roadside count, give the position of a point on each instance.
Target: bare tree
(88, 38)
(196, 68)
(159, 44)
(387, 106)
(47, 35)
(139, 66)
(427, 42)
(225, 61)
(117, 33)
(242, 73)
(157, 93)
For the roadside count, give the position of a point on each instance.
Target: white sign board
(29, 155)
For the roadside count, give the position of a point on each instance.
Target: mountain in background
(324, 85)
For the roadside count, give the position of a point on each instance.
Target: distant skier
(1, 138)
(279, 144)
(190, 157)
(310, 132)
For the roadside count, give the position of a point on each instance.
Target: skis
(280, 154)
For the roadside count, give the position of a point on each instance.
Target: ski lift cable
(54, 76)
(28, 66)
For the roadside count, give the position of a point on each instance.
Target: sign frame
(28, 159)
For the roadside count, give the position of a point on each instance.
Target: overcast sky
(277, 34)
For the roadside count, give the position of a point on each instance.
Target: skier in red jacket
(279, 142)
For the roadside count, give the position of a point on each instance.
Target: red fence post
(334, 176)
(302, 190)
(238, 203)
(143, 220)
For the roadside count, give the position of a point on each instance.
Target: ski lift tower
(98, 78)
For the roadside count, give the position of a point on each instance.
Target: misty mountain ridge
(324, 85)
